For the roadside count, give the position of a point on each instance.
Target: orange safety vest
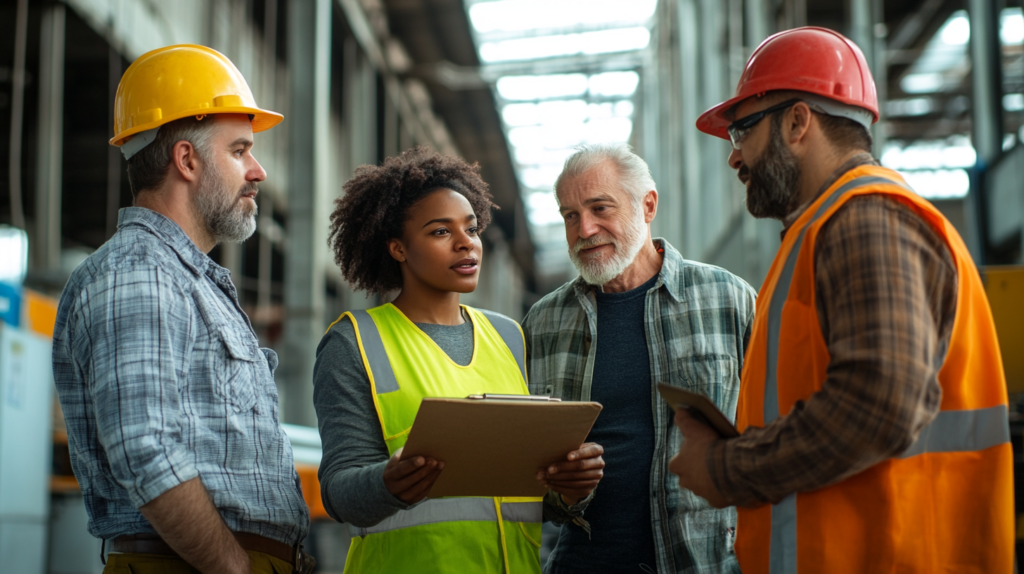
(944, 505)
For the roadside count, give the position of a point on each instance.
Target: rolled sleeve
(140, 326)
(558, 512)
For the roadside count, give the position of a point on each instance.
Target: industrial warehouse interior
(514, 86)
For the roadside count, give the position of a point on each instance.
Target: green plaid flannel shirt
(698, 323)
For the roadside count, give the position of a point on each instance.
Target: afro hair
(375, 206)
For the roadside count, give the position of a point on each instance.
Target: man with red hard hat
(873, 407)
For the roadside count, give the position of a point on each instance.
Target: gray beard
(774, 182)
(604, 269)
(221, 210)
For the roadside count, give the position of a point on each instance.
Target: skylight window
(546, 115)
(524, 15)
(935, 169)
(909, 107)
(599, 42)
(954, 152)
(944, 62)
(614, 83)
(563, 112)
(543, 208)
(13, 255)
(542, 87)
(957, 30)
(541, 177)
(556, 111)
(539, 155)
(562, 136)
(1011, 26)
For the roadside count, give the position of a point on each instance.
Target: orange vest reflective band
(944, 505)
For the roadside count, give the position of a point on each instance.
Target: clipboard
(494, 447)
(700, 408)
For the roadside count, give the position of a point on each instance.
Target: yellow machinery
(1005, 289)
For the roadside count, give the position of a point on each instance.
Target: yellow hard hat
(179, 81)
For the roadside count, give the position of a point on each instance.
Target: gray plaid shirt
(698, 323)
(161, 379)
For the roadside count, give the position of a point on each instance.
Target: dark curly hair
(375, 206)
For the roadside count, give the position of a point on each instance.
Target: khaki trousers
(132, 563)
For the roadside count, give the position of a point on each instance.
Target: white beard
(602, 268)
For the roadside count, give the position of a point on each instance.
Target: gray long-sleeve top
(354, 452)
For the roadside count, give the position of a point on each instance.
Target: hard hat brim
(714, 121)
(262, 120)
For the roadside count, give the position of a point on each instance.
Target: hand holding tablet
(699, 407)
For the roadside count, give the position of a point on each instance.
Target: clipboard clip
(529, 398)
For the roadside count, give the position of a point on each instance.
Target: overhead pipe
(18, 113)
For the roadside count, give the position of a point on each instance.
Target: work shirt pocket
(236, 373)
(716, 377)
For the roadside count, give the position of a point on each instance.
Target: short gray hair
(634, 175)
(148, 168)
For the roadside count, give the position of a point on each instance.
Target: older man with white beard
(639, 314)
(170, 404)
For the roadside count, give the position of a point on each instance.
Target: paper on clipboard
(495, 447)
(699, 406)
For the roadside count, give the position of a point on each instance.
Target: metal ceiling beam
(457, 78)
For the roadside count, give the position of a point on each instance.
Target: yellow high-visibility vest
(444, 535)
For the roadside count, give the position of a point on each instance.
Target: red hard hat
(810, 59)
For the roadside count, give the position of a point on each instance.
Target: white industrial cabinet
(26, 443)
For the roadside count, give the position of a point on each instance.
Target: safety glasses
(741, 127)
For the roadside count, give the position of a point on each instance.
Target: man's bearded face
(773, 184)
(601, 268)
(227, 215)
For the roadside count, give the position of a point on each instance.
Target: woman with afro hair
(412, 226)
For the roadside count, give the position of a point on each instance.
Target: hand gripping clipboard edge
(700, 408)
(494, 447)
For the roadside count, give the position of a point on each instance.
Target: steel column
(690, 79)
(50, 148)
(113, 153)
(17, 114)
(756, 23)
(986, 115)
(309, 64)
(867, 30)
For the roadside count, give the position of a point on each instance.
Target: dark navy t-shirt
(620, 514)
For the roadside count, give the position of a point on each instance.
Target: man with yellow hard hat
(872, 406)
(170, 403)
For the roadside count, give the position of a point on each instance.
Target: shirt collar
(855, 161)
(671, 262)
(170, 233)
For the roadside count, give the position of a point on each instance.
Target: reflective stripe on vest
(384, 376)
(513, 337)
(437, 510)
(950, 431)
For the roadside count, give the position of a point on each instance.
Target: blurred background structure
(511, 84)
